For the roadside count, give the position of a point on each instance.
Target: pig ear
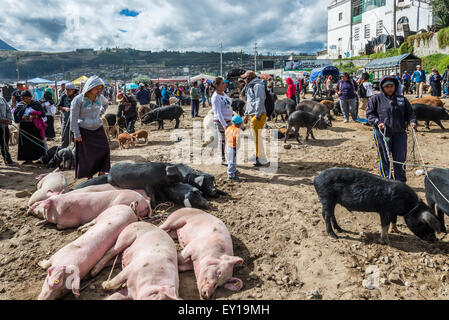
(170, 293)
(233, 284)
(199, 180)
(50, 270)
(431, 220)
(172, 171)
(232, 260)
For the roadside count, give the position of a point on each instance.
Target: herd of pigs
(110, 210)
(111, 214)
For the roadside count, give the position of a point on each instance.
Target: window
(357, 34)
(367, 31)
(379, 27)
(340, 16)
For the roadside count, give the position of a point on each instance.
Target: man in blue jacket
(390, 114)
(143, 95)
(419, 77)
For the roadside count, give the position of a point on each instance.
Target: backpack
(269, 104)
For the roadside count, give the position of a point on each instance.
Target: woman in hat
(435, 84)
(64, 107)
(28, 114)
(49, 106)
(92, 148)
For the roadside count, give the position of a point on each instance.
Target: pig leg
(174, 225)
(441, 218)
(328, 212)
(297, 135)
(311, 133)
(123, 242)
(121, 295)
(117, 281)
(184, 264)
(394, 227)
(286, 132)
(385, 223)
(335, 224)
(177, 123)
(427, 124)
(86, 226)
(438, 122)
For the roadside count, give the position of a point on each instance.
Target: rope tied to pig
(159, 213)
(423, 164)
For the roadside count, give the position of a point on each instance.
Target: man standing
(365, 92)
(445, 82)
(419, 78)
(195, 99)
(16, 95)
(406, 81)
(5, 120)
(255, 109)
(390, 114)
(202, 88)
(158, 95)
(64, 107)
(61, 91)
(128, 108)
(143, 95)
(348, 97)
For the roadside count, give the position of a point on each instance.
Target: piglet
(73, 262)
(72, 210)
(48, 185)
(150, 264)
(207, 248)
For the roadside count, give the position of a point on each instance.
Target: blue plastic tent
(325, 71)
(39, 81)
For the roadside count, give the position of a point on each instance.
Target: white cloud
(277, 25)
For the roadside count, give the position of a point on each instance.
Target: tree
(441, 12)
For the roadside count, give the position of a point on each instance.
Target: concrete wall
(426, 48)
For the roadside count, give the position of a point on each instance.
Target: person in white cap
(64, 107)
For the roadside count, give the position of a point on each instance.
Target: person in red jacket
(291, 90)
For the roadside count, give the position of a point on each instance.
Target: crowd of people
(82, 114)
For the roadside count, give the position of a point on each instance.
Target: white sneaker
(346, 121)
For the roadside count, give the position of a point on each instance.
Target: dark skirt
(50, 130)
(92, 154)
(436, 88)
(31, 146)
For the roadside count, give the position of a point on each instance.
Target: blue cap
(237, 120)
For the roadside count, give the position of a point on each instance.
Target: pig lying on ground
(207, 249)
(428, 113)
(48, 185)
(72, 210)
(146, 176)
(80, 256)
(185, 195)
(440, 178)
(105, 187)
(309, 120)
(93, 182)
(203, 181)
(357, 190)
(150, 264)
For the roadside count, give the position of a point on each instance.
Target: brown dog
(329, 104)
(126, 139)
(430, 101)
(141, 134)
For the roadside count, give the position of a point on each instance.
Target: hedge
(443, 38)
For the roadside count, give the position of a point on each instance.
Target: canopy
(325, 71)
(131, 86)
(60, 83)
(203, 76)
(39, 81)
(80, 80)
(390, 61)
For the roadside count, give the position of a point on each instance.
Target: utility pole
(255, 56)
(394, 23)
(221, 59)
(17, 68)
(417, 19)
(241, 59)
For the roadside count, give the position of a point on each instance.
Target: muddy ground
(275, 221)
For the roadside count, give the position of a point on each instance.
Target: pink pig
(207, 249)
(73, 262)
(150, 264)
(106, 187)
(48, 185)
(72, 210)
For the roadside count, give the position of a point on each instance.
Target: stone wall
(429, 47)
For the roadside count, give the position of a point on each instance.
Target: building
(352, 23)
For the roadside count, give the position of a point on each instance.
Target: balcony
(357, 19)
(372, 4)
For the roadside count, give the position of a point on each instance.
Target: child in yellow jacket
(232, 144)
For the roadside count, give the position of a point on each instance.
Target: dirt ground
(275, 221)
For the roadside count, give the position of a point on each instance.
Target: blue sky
(279, 26)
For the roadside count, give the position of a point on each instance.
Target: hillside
(34, 64)
(5, 46)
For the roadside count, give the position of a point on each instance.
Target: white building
(352, 23)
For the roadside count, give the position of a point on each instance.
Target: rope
(423, 165)
(26, 134)
(112, 269)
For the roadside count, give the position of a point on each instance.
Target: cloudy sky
(200, 25)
